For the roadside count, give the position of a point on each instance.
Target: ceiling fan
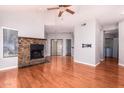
(62, 9)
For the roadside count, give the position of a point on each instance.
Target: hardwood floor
(62, 72)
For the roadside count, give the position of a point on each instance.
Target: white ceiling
(105, 14)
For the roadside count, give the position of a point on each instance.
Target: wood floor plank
(62, 72)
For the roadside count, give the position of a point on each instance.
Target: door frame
(51, 47)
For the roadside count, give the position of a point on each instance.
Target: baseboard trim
(94, 65)
(102, 59)
(97, 63)
(7, 68)
(121, 64)
(84, 63)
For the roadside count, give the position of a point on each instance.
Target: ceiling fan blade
(70, 11)
(66, 5)
(60, 13)
(53, 8)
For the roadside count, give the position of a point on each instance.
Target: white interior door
(56, 47)
(53, 47)
(59, 47)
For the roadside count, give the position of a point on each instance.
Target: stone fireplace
(31, 51)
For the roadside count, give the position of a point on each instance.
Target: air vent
(83, 24)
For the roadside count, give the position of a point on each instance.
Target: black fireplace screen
(36, 51)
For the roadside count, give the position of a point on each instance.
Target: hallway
(62, 72)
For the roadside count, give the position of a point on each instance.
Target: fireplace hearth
(36, 51)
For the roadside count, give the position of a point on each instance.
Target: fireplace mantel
(33, 38)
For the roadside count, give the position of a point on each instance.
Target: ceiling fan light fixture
(62, 9)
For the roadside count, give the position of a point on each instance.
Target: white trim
(3, 27)
(102, 59)
(121, 64)
(84, 63)
(87, 63)
(7, 68)
(98, 63)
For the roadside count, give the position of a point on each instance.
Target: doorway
(111, 44)
(56, 47)
(68, 47)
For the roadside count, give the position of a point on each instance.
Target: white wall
(88, 34)
(63, 36)
(28, 22)
(121, 43)
(84, 35)
(99, 43)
